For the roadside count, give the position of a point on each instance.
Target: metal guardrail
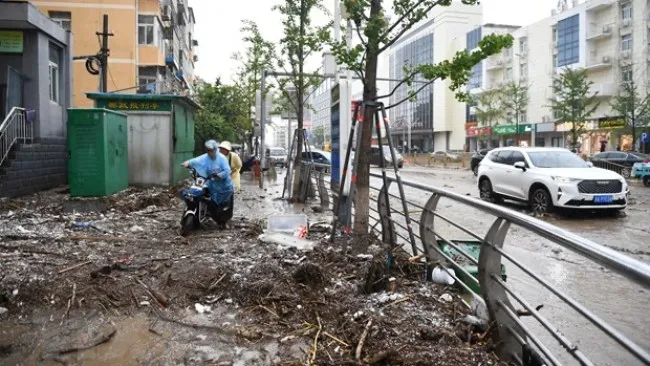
(14, 128)
(623, 170)
(514, 337)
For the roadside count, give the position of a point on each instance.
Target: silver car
(277, 156)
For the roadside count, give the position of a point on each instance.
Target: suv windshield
(556, 159)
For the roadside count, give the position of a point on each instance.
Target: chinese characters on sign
(118, 105)
(11, 41)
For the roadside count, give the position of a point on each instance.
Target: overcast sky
(218, 23)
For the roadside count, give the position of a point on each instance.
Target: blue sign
(336, 143)
(645, 138)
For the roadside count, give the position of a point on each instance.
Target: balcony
(495, 64)
(170, 58)
(597, 33)
(596, 6)
(599, 63)
(603, 90)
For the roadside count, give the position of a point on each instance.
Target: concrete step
(21, 165)
(23, 186)
(25, 155)
(33, 173)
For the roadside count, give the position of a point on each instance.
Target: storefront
(478, 136)
(612, 133)
(508, 136)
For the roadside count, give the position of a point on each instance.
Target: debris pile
(207, 296)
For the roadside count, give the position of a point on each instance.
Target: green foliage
(225, 115)
(573, 101)
(515, 99)
(634, 107)
(489, 107)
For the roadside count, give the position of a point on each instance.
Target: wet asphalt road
(622, 304)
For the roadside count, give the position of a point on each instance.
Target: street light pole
(262, 150)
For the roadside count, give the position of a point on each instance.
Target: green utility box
(472, 248)
(160, 134)
(98, 162)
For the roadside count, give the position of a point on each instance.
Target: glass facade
(418, 112)
(473, 38)
(568, 41)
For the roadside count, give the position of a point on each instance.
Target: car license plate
(603, 199)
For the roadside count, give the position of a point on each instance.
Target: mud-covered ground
(119, 286)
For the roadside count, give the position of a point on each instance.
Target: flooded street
(616, 300)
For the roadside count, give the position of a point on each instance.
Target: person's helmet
(211, 145)
(226, 145)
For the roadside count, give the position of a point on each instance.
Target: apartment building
(152, 50)
(610, 39)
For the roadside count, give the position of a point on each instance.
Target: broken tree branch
(78, 265)
(362, 340)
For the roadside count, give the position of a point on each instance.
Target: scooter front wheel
(187, 223)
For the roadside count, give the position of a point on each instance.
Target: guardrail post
(388, 234)
(495, 296)
(322, 190)
(427, 234)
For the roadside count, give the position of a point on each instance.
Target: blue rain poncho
(221, 189)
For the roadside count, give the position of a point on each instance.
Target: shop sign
(139, 106)
(545, 127)
(482, 131)
(611, 123)
(469, 125)
(512, 129)
(11, 41)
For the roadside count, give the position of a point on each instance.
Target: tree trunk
(633, 131)
(362, 195)
(300, 92)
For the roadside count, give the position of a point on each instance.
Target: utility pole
(103, 56)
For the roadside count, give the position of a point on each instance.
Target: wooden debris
(362, 340)
(78, 265)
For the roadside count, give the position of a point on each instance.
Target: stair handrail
(12, 129)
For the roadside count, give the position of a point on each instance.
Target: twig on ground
(78, 265)
(70, 303)
(215, 283)
(160, 300)
(336, 339)
(101, 340)
(315, 347)
(270, 311)
(398, 301)
(362, 340)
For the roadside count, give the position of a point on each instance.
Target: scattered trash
(287, 241)
(443, 276)
(3, 310)
(145, 303)
(202, 308)
(446, 298)
(287, 224)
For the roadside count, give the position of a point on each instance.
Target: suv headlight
(565, 179)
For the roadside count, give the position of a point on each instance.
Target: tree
(489, 108)
(379, 34)
(634, 108)
(573, 101)
(301, 40)
(515, 102)
(225, 114)
(258, 56)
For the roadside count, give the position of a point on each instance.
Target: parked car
(626, 159)
(277, 156)
(319, 157)
(442, 155)
(375, 157)
(476, 159)
(547, 178)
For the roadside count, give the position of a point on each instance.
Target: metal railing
(13, 129)
(515, 337)
(623, 170)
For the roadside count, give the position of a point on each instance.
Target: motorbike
(197, 200)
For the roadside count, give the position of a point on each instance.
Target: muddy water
(622, 304)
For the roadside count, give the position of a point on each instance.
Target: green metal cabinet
(98, 158)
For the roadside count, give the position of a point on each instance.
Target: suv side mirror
(520, 165)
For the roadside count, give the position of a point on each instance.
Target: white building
(610, 39)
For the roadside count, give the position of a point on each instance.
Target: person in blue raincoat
(214, 165)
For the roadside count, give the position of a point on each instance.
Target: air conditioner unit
(606, 59)
(165, 13)
(626, 22)
(626, 54)
(546, 119)
(607, 29)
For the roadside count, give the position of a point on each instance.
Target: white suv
(548, 178)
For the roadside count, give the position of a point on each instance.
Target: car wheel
(646, 180)
(475, 170)
(625, 172)
(541, 201)
(486, 193)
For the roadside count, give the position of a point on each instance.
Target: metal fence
(497, 298)
(623, 170)
(15, 128)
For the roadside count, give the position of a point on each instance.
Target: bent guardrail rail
(515, 338)
(623, 170)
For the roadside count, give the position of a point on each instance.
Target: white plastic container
(287, 224)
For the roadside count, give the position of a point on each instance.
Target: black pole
(103, 58)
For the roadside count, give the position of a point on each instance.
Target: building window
(54, 73)
(476, 77)
(145, 29)
(556, 141)
(147, 78)
(522, 117)
(507, 52)
(568, 41)
(626, 11)
(63, 18)
(523, 70)
(626, 73)
(473, 38)
(626, 42)
(509, 74)
(523, 45)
